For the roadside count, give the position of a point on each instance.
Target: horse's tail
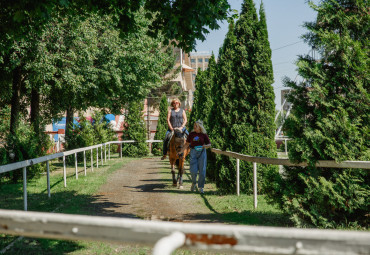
(177, 162)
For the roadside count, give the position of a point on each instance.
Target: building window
(193, 60)
(206, 60)
(200, 60)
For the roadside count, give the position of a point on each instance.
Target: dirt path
(143, 189)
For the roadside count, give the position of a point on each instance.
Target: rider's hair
(200, 125)
(174, 101)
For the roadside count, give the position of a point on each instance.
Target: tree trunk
(69, 123)
(15, 101)
(35, 111)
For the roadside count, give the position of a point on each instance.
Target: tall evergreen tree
(247, 113)
(135, 130)
(218, 118)
(162, 126)
(194, 114)
(330, 121)
(204, 100)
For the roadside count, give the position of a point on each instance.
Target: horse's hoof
(174, 184)
(181, 187)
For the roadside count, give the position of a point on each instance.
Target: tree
(182, 20)
(203, 94)
(247, 110)
(161, 127)
(134, 129)
(218, 117)
(330, 121)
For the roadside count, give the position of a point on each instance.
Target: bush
(87, 133)
(135, 130)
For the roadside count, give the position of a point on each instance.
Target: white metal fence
(26, 163)
(244, 239)
(284, 162)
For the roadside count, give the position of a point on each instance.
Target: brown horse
(177, 142)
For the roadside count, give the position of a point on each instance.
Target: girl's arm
(207, 146)
(168, 120)
(184, 118)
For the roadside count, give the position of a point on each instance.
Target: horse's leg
(181, 171)
(174, 181)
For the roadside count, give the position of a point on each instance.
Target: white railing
(284, 162)
(26, 163)
(171, 235)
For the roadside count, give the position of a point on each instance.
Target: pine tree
(247, 108)
(162, 126)
(218, 118)
(135, 130)
(194, 114)
(330, 121)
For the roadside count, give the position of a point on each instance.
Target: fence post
(255, 184)
(85, 162)
(109, 151)
(48, 177)
(97, 157)
(101, 155)
(237, 178)
(286, 145)
(76, 165)
(92, 160)
(105, 153)
(64, 171)
(120, 152)
(25, 187)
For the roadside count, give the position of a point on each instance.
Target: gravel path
(143, 189)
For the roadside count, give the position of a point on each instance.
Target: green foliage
(161, 127)
(242, 118)
(203, 94)
(330, 121)
(24, 144)
(87, 133)
(170, 17)
(134, 129)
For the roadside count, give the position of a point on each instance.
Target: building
(184, 80)
(199, 60)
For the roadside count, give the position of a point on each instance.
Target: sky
(285, 19)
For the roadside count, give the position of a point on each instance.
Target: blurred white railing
(172, 235)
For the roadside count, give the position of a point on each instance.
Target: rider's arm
(184, 118)
(168, 120)
(207, 146)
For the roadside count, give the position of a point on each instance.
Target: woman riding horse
(176, 119)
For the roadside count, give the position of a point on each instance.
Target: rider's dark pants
(167, 137)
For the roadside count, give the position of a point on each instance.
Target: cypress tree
(203, 101)
(247, 113)
(161, 127)
(135, 130)
(330, 121)
(194, 114)
(218, 119)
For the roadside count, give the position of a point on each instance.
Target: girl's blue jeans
(198, 163)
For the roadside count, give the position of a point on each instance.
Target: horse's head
(179, 140)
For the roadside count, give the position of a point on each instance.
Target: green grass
(75, 198)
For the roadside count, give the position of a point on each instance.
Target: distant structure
(199, 60)
(285, 105)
